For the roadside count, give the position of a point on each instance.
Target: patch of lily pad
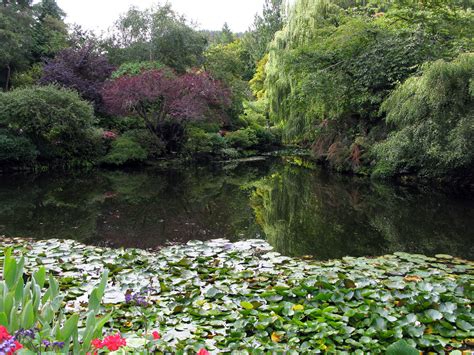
(232, 297)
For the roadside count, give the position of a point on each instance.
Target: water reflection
(300, 211)
(309, 212)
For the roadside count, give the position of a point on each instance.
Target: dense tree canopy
(158, 96)
(83, 69)
(334, 63)
(156, 34)
(433, 120)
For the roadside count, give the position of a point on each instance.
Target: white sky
(99, 15)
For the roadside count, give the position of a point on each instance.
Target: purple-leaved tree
(84, 69)
(163, 99)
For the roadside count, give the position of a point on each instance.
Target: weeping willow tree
(334, 63)
(433, 117)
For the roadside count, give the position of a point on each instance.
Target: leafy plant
(125, 150)
(57, 121)
(29, 304)
(431, 115)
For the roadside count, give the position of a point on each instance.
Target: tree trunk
(7, 81)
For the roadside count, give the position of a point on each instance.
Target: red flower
(156, 335)
(17, 347)
(114, 342)
(203, 352)
(97, 343)
(4, 335)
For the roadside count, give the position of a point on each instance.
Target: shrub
(29, 77)
(200, 142)
(125, 151)
(135, 68)
(57, 121)
(433, 119)
(153, 146)
(243, 138)
(15, 149)
(230, 153)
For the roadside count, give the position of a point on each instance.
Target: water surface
(299, 211)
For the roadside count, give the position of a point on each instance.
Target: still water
(299, 211)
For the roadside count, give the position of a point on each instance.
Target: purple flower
(137, 299)
(46, 343)
(7, 346)
(25, 333)
(58, 344)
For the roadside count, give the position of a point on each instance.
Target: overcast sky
(209, 14)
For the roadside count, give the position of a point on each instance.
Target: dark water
(299, 211)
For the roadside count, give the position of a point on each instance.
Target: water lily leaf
(462, 324)
(432, 315)
(401, 347)
(246, 305)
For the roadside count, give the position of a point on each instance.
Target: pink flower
(203, 352)
(156, 335)
(109, 135)
(97, 343)
(114, 342)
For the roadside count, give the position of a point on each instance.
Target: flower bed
(223, 296)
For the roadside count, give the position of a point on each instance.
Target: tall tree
(226, 35)
(264, 28)
(50, 32)
(16, 21)
(156, 34)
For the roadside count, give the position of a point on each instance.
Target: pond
(300, 211)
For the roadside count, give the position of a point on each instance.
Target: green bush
(135, 68)
(151, 143)
(230, 153)
(200, 142)
(57, 121)
(15, 149)
(29, 77)
(125, 151)
(121, 124)
(433, 120)
(243, 138)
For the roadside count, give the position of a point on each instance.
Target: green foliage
(16, 149)
(401, 347)
(125, 150)
(200, 142)
(263, 29)
(335, 62)
(230, 64)
(243, 138)
(28, 77)
(357, 305)
(433, 119)
(57, 121)
(135, 68)
(15, 41)
(152, 145)
(50, 32)
(29, 304)
(156, 34)
(257, 83)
